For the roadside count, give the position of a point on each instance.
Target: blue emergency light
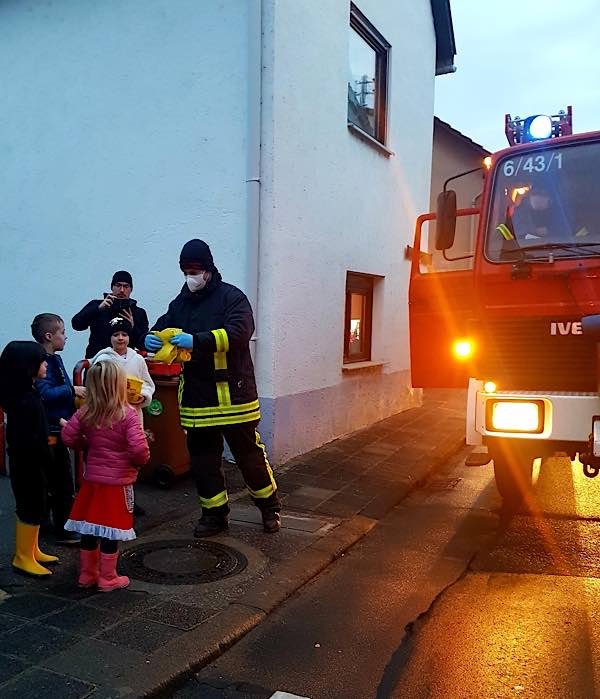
(538, 127)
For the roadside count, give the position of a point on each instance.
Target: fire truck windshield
(546, 200)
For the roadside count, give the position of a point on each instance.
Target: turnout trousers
(205, 445)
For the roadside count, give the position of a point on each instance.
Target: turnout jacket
(217, 386)
(56, 391)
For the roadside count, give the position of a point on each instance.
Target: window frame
(362, 284)
(368, 32)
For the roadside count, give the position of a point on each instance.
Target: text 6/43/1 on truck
(516, 318)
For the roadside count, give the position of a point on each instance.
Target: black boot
(210, 525)
(271, 521)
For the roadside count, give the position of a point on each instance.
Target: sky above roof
(524, 58)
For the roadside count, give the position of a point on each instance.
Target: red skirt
(103, 510)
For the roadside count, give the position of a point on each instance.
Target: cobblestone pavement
(58, 641)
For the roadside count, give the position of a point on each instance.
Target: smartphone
(121, 304)
(118, 304)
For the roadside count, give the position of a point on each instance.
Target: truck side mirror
(445, 228)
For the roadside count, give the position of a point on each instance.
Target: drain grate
(443, 484)
(181, 562)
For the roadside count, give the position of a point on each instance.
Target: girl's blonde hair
(106, 396)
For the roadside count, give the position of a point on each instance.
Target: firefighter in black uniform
(217, 390)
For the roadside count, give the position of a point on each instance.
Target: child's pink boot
(88, 567)
(109, 580)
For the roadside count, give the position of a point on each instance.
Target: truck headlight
(513, 415)
(463, 348)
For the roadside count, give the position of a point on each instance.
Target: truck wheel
(164, 476)
(513, 471)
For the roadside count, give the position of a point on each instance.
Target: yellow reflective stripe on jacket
(216, 501)
(223, 394)
(216, 421)
(218, 410)
(224, 413)
(220, 359)
(505, 232)
(221, 339)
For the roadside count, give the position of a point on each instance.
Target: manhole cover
(181, 562)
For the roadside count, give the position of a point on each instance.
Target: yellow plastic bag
(168, 353)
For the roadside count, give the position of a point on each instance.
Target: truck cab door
(441, 313)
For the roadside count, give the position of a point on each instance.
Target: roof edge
(455, 132)
(445, 45)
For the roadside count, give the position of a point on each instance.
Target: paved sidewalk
(58, 641)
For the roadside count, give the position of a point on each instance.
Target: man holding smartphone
(97, 314)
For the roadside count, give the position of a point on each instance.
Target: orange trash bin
(169, 456)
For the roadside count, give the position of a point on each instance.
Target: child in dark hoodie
(28, 451)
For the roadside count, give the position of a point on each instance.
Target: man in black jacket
(217, 392)
(97, 314)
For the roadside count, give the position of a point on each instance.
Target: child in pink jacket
(109, 430)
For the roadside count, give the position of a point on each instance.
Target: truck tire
(513, 471)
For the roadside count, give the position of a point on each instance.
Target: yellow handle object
(168, 353)
(134, 388)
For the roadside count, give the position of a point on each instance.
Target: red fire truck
(516, 322)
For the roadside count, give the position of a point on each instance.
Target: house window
(359, 317)
(367, 84)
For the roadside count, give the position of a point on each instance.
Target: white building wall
(123, 135)
(331, 203)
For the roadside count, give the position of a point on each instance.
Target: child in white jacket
(132, 363)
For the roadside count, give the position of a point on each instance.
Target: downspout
(253, 172)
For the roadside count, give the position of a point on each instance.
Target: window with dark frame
(358, 317)
(367, 84)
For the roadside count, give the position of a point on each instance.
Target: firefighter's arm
(165, 321)
(151, 342)
(237, 329)
(504, 231)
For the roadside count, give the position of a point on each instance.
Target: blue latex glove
(183, 341)
(153, 343)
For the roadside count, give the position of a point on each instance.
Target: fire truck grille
(524, 355)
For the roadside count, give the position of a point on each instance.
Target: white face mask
(196, 282)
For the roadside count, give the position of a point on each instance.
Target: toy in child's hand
(168, 352)
(134, 390)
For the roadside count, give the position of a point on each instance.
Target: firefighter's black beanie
(123, 277)
(197, 252)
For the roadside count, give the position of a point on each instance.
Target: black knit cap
(197, 252)
(119, 324)
(123, 277)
